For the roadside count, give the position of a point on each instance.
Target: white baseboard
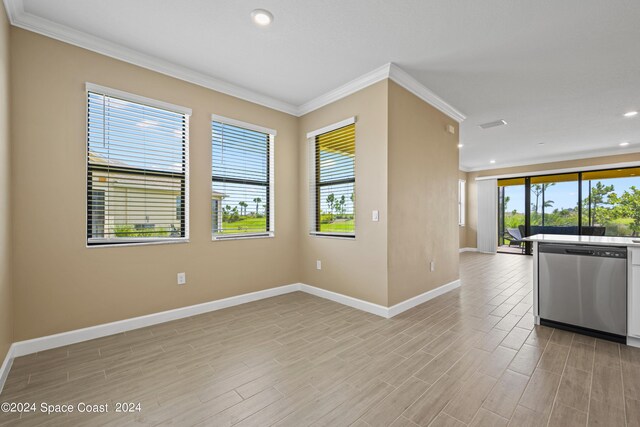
(6, 366)
(422, 298)
(468, 249)
(367, 306)
(22, 348)
(376, 309)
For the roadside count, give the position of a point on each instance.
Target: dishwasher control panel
(584, 250)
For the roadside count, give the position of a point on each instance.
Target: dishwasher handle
(579, 252)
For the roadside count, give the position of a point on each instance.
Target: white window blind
(241, 179)
(333, 181)
(137, 169)
(462, 202)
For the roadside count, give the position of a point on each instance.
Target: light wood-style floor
(470, 357)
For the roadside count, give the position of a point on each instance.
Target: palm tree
(243, 207)
(257, 201)
(331, 199)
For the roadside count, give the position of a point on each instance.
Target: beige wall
(355, 267)
(59, 284)
(462, 230)
(6, 305)
(472, 203)
(422, 196)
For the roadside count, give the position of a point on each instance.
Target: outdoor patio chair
(514, 237)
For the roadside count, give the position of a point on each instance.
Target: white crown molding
(346, 89)
(388, 71)
(405, 80)
(559, 158)
(19, 18)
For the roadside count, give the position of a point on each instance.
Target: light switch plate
(375, 216)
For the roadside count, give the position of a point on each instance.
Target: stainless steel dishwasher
(583, 286)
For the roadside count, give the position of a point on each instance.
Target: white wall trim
(563, 170)
(244, 125)
(367, 306)
(19, 18)
(408, 82)
(6, 366)
(613, 151)
(422, 298)
(329, 128)
(346, 89)
(387, 71)
(468, 250)
(22, 348)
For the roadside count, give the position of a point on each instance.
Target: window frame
(462, 202)
(314, 188)
(270, 179)
(137, 99)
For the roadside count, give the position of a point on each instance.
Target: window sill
(139, 243)
(243, 237)
(333, 236)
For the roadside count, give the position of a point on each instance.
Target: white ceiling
(560, 73)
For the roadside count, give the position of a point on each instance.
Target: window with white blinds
(241, 179)
(137, 169)
(333, 179)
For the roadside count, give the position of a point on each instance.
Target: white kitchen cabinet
(633, 293)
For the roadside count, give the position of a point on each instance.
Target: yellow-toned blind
(545, 179)
(510, 181)
(611, 173)
(335, 181)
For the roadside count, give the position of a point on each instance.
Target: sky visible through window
(132, 135)
(240, 178)
(565, 194)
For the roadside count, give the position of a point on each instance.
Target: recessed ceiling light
(262, 17)
(624, 144)
(630, 113)
(460, 145)
(492, 161)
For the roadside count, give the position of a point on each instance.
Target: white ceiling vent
(493, 124)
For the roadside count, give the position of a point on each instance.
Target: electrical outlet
(432, 266)
(318, 265)
(182, 278)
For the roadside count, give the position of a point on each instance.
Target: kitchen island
(588, 284)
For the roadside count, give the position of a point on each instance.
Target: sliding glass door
(594, 203)
(611, 202)
(554, 203)
(511, 215)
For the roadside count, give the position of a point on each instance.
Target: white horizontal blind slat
(241, 180)
(136, 171)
